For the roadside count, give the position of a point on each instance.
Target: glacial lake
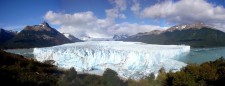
(200, 55)
(196, 55)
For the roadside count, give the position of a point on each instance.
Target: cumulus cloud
(79, 24)
(133, 28)
(135, 7)
(119, 4)
(186, 11)
(87, 24)
(68, 19)
(117, 11)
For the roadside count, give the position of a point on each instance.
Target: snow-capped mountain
(71, 37)
(199, 25)
(195, 35)
(129, 59)
(121, 36)
(41, 35)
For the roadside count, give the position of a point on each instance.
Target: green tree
(69, 78)
(110, 78)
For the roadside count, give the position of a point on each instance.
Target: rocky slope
(195, 35)
(37, 36)
(71, 37)
(6, 35)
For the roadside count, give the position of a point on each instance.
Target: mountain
(121, 36)
(71, 37)
(37, 36)
(195, 35)
(6, 35)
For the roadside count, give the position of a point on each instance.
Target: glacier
(132, 60)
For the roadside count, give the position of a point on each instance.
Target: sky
(105, 18)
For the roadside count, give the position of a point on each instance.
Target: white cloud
(78, 18)
(78, 24)
(186, 11)
(119, 4)
(135, 7)
(117, 11)
(86, 24)
(133, 28)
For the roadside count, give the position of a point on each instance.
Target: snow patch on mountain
(120, 36)
(129, 59)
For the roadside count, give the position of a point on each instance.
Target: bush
(69, 78)
(110, 78)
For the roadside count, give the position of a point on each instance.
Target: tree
(110, 78)
(69, 78)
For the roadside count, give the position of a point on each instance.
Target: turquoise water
(200, 55)
(25, 52)
(196, 55)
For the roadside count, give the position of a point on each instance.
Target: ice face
(129, 59)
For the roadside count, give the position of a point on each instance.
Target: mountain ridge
(6, 35)
(195, 35)
(71, 37)
(41, 35)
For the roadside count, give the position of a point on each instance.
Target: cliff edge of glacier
(129, 59)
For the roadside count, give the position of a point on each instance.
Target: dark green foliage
(21, 71)
(92, 80)
(69, 78)
(209, 73)
(110, 78)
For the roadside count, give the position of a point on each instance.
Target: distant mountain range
(42, 35)
(71, 37)
(195, 35)
(37, 36)
(120, 36)
(6, 35)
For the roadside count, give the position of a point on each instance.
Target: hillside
(6, 35)
(195, 35)
(71, 37)
(26, 72)
(37, 36)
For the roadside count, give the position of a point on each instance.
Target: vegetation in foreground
(22, 71)
(26, 72)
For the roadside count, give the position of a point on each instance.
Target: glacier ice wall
(129, 59)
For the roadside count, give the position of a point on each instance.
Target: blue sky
(31, 12)
(104, 18)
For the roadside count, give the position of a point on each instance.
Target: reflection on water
(196, 55)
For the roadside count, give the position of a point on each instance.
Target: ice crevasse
(129, 59)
